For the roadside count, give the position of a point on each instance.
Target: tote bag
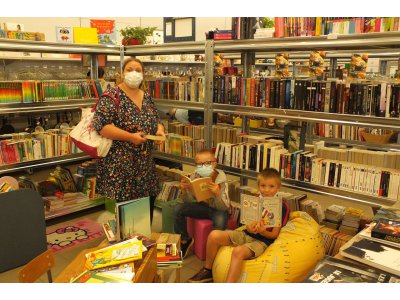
(85, 136)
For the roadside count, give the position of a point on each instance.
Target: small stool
(199, 229)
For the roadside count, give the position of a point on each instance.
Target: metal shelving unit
(46, 106)
(16, 167)
(74, 208)
(343, 45)
(53, 106)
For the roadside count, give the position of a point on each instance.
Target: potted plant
(136, 35)
(269, 26)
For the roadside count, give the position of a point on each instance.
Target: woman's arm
(114, 133)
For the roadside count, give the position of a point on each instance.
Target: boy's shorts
(240, 238)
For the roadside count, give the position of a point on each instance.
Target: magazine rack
(22, 228)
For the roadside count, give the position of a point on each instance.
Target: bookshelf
(12, 51)
(380, 45)
(46, 162)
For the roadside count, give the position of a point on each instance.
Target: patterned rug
(64, 236)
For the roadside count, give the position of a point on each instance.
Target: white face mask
(133, 79)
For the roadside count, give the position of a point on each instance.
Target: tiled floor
(62, 258)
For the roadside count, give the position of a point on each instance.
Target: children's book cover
(133, 217)
(268, 210)
(199, 188)
(64, 34)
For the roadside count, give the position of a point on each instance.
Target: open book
(199, 188)
(266, 209)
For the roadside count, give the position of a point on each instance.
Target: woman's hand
(137, 138)
(214, 188)
(160, 132)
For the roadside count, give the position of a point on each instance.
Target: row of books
(38, 146)
(85, 178)
(48, 90)
(333, 240)
(180, 145)
(169, 191)
(196, 132)
(250, 156)
(339, 131)
(381, 159)
(176, 88)
(316, 26)
(221, 133)
(380, 99)
(307, 167)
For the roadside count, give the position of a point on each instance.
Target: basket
(377, 138)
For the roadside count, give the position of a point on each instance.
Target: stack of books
(334, 215)
(169, 254)
(351, 221)
(333, 240)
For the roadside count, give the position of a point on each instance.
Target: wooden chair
(37, 267)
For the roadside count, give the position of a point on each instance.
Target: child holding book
(214, 208)
(249, 243)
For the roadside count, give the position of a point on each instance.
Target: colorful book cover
(64, 34)
(106, 31)
(133, 217)
(84, 35)
(265, 209)
(95, 277)
(387, 229)
(116, 254)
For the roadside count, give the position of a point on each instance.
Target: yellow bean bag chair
(291, 257)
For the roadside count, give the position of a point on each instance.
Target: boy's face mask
(204, 171)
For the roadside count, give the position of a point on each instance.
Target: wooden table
(145, 268)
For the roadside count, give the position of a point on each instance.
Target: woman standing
(128, 171)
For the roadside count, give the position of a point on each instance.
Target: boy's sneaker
(187, 247)
(204, 275)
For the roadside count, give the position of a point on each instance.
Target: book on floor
(199, 187)
(332, 270)
(375, 254)
(265, 209)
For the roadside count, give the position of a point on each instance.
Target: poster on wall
(105, 31)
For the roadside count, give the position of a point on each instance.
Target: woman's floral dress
(128, 171)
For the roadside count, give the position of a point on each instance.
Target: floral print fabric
(128, 171)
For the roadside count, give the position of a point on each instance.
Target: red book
(252, 92)
(378, 25)
(157, 93)
(267, 92)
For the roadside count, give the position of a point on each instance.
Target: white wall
(47, 25)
